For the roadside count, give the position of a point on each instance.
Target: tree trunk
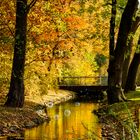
(132, 73)
(115, 93)
(111, 46)
(128, 53)
(125, 68)
(16, 91)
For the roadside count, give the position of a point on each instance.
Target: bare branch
(31, 26)
(27, 64)
(32, 3)
(6, 24)
(10, 30)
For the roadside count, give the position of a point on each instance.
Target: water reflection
(69, 121)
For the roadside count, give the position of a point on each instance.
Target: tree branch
(10, 30)
(135, 24)
(118, 6)
(32, 3)
(12, 33)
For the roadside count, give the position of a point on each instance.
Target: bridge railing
(82, 80)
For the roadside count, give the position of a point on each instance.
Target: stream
(69, 121)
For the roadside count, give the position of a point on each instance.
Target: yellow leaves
(7, 18)
(79, 66)
(52, 36)
(57, 35)
(63, 34)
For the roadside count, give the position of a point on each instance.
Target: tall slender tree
(111, 45)
(15, 97)
(115, 93)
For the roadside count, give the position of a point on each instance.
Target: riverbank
(121, 120)
(14, 121)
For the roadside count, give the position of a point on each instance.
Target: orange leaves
(44, 38)
(75, 22)
(7, 17)
(63, 30)
(53, 35)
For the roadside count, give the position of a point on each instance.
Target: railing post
(100, 80)
(58, 80)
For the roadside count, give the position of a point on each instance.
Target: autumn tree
(6, 39)
(15, 97)
(115, 93)
(60, 35)
(64, 36)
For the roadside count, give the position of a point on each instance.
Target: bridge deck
(84, 88)
(83, 84)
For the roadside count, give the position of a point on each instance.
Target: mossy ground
(120, 121)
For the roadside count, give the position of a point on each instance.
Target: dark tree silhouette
(111, 44)
(115, 93)
(126, 64)
(15, 97)
(133, 69)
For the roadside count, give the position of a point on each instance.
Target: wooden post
(100, 80)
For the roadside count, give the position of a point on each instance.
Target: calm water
(69, 121)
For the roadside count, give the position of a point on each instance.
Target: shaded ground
(120, 121)
(15, 120)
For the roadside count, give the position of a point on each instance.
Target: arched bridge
(82, 84)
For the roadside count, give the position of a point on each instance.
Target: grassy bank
(120, 121)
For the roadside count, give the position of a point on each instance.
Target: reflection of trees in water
(70, 126)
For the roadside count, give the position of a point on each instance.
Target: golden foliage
(60, 35)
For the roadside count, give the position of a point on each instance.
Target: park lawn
(132, 103)
(134, 95)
